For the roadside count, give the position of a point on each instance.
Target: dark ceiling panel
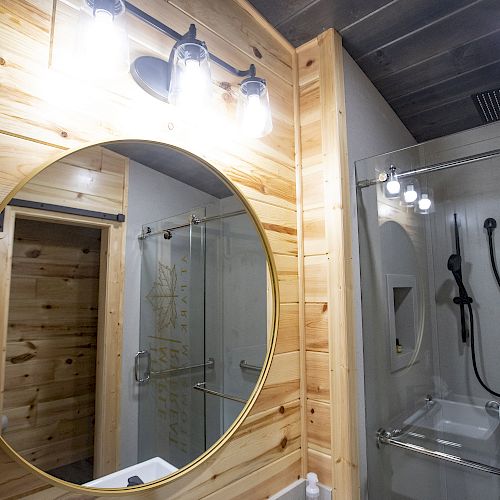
(484, 78)
(452, 31)
(394, 21)
(278, 11)
(448, 119)
(444, 66)
(304, 20)
(426, 57)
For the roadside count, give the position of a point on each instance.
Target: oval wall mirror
(140, 319)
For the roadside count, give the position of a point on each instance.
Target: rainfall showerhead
(488, 105)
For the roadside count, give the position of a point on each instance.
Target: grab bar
(387, 438)
(247, 366)
(200, 386)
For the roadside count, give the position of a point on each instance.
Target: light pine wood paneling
(288, 336)
(319, 433)
(46, 289)
(332, 443)
(322, 464)
(317, 326)
(318, 376)
(44, 111)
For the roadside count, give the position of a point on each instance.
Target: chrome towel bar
(148, 372)
(209, 364)
(386, 437)
(200, 386)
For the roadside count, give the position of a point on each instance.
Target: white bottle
(312, 489)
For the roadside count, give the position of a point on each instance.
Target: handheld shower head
(454, 263)
(490, 225)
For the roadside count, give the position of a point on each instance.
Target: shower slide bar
(387, 438)
(200, 386)
(247, 366)
(431, 168)
(193, 222)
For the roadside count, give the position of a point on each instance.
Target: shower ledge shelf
(456, 419)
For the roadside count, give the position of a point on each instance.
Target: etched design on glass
(162, 297)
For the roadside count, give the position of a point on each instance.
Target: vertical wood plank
(339, 271)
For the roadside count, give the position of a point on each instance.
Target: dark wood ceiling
(426, 57)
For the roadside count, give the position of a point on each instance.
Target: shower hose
(471, 320)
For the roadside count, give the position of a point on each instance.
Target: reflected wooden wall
(49, 394)
(45, 112)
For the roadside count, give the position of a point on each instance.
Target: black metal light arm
(166, 30)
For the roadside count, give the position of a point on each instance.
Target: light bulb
(424, 203)
(393, 186)
(103, 18)
(254, 111)
(410, 195)
(255, 117)
(102, 41)
(190, 82)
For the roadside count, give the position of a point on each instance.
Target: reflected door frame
(109, 328)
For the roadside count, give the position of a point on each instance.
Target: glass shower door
(172, 338)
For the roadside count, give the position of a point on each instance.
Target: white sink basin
(456, 419)
(150, 470)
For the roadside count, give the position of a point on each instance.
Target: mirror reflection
(139, 317)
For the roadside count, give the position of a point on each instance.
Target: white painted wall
(152, 196)
(372, 129)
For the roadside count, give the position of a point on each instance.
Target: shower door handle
(142, 378)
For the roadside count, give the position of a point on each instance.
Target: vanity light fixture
(184, 80)
(254, 111)
(102, 41)
(410, 194)
(425, 203)
(190, 81)
(392, 186)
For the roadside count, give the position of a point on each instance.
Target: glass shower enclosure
(195, 330)
(430, 305)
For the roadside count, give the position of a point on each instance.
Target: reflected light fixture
(410, 194)
(102, 41)
(425, 203)
(392, 186)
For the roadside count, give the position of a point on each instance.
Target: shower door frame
(109, 328)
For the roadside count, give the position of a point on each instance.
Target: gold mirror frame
(219, 444)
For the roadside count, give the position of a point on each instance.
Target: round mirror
(141, 316)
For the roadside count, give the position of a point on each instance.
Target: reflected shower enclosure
(430, 300)
(195, 330)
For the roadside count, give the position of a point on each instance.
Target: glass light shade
(392, 186)
(102, 42)
(254, 110)
(190, 79)
(425, 203)
(409, 193)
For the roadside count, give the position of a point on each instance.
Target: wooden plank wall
(49, 394)
(329, 328)
(45, 111)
